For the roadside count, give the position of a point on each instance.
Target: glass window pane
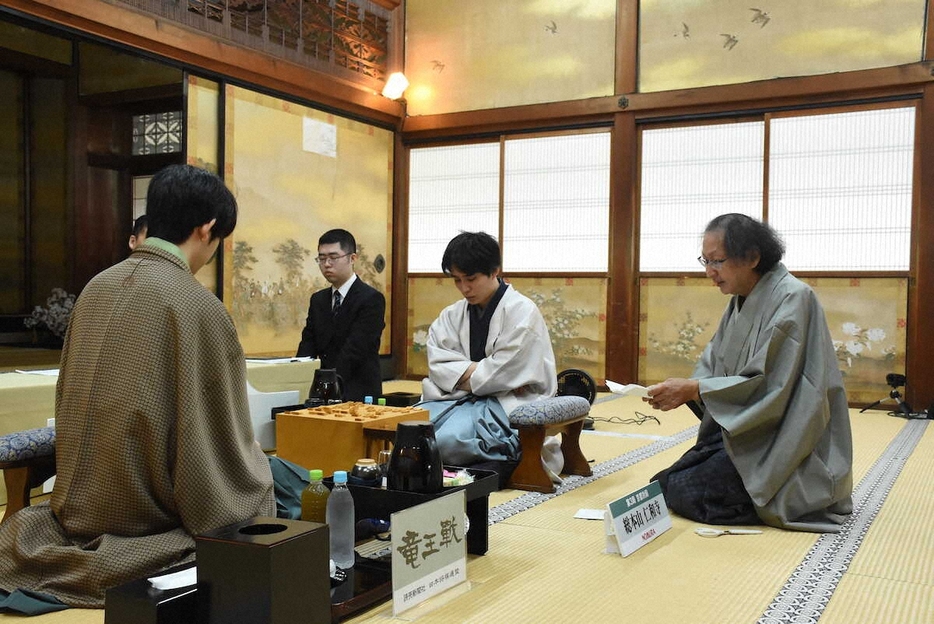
(556, 203)
(840, 189)
(140, 188)
(451, 189)
(689, 176)
(159, 133)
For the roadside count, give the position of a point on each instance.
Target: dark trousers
(703, 485)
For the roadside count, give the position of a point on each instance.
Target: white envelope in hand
(627, 390)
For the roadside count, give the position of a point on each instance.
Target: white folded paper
(186, 577)
(627, 390)
(590, 514)
(284, 360)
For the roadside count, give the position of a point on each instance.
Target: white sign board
(636, 519)
(429, 550)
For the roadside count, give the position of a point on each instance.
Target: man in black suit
(345, 322)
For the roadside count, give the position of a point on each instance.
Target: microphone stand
(902, 407)
(872, 405)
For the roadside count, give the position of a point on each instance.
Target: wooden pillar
(919, 364)
(399, 304)
(919, 367)
(622, 339)
(622, 335)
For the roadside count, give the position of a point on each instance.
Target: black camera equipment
(895, 380)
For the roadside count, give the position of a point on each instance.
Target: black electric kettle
(415, 463)
(327, 387)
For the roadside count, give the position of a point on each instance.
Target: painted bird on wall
(761, 17)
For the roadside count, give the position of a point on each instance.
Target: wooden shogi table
(334, 437)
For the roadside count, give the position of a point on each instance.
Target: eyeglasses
(713, 264)
(330, 259)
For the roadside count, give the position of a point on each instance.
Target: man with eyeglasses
(345, 321)
(774, 443)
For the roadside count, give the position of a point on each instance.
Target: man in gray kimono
(774, 444)
(154, 438)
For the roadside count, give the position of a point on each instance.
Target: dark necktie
(337, 302)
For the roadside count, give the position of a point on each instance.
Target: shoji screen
(840, 189)
(451, 189)
(556, 203)
(689, 176)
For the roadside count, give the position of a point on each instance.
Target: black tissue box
(264, 571)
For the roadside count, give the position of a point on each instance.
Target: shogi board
(331, 437)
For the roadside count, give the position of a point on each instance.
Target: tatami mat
(900, 542)
(891, 577)
(871, 600)
(543, 565)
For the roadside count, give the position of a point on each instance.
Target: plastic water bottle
(315, 498)
(341, 520)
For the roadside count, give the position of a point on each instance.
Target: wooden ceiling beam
(190, 47)
(747, 96)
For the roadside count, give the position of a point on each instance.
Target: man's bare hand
(464, 382)
(672, 393)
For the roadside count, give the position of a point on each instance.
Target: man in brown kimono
(154, 438)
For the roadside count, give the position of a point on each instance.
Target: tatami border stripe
(572, 482)
(805, 595)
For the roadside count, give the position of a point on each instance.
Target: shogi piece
(545, 417)
(264, 571)
(332, 437)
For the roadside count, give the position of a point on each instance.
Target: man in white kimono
(774, 444)
(487, 354)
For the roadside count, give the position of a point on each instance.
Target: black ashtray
(139, 601)
(402, 399)
(368, 582)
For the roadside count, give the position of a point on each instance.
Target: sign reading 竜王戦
(429, 550)
(636, 519)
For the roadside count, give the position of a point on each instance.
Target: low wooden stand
(544, 417)
(530, 474)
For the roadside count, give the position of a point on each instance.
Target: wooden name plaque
(331, 437)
